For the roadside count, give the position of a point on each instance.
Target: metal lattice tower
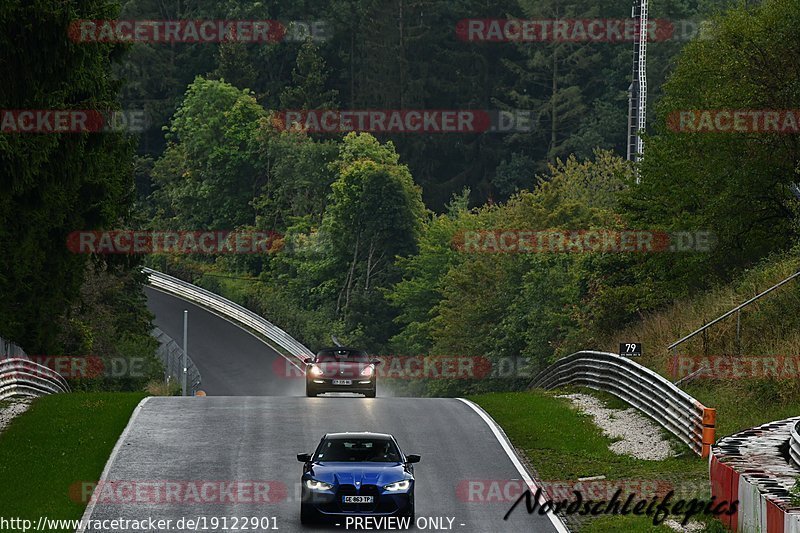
(637, 92)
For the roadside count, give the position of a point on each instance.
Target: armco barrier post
(709, 429)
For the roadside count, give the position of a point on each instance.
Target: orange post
(709, 430)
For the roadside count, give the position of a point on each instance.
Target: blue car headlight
(398, 486)
(313, 484)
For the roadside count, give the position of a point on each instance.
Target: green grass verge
(61, 440)
(641, 524)
(630, 524)
(563, 444)
(745, 403)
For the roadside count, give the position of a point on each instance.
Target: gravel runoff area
(11, 408)
(691, 527)
(638, 436)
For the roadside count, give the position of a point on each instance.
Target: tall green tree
(374, 214)
(207, 176)
(415, 296)
(309, 78)
(53, 184)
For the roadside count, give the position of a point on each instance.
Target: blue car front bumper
(384, 503)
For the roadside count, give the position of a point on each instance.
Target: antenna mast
(637, 92)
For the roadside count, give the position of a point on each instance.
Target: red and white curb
(751, 466)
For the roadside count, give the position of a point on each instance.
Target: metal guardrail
(736, 310)
(794, 445)
(21, 377)
(8, 350)
(647, 391)
(230, 310)
(171, 355)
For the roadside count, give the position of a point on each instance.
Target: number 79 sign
(630, 349)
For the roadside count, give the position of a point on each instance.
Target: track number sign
(630, 349)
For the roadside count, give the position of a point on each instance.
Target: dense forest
(407, 55)
(369, 220)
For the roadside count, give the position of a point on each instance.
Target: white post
(185, 349)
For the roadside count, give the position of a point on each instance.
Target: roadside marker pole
(185, 350)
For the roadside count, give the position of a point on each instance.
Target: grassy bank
(62, 440)
(563, 445)
(769, 327)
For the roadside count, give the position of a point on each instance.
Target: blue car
(356, 474)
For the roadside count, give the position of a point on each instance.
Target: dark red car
(341, 369)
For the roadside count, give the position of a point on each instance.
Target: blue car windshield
(358, 450)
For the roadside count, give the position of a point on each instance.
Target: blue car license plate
(357, 499)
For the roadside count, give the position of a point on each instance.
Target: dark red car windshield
(342, 356)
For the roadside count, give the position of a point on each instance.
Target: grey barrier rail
(171, 355)
(8, 350)
(647, 391)
(794, 444)
(234, 312)
(21, 377)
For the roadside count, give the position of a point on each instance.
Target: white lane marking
(231, 321)
(505, 443)
(87, 514)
